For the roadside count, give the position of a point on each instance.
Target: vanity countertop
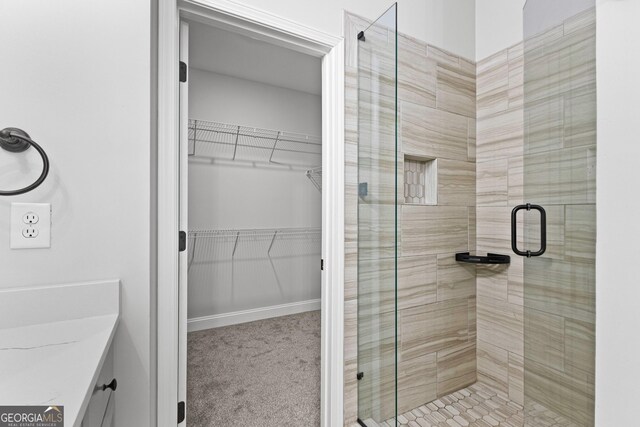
(57, 360)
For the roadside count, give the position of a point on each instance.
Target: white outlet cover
(42, 227)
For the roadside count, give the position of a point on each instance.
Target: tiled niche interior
(420, 181)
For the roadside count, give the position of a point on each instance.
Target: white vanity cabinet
(101, 407)
(58, 349)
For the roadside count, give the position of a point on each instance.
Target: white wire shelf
(253, 243)
(236, 142)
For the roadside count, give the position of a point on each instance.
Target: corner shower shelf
(235, 142)
(489, 259)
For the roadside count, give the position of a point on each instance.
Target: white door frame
(258, 24)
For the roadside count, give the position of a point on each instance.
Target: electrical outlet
(30, 225)
(30, 218)
(30, 232)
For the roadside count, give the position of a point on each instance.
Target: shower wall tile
(377, 386)
(434, 327)
(456, 368)
(493, 229)
(516, 75)
(472, 229)
(417, 281)
(455, 280)
(584, 21)
(456, 183)
(516, 378)
(417, 381)
(569, 395)
(416, 284)
(416, 72)
(501, 324)
(442, 56)
(515, 275)
(545, 338)
(379, 240)
(501, 135)
(580, 235)
(472, 318)
(493, 367)
(350, 389)
(350, 359)
(545, 125)
(492, 281)
(580, 338)
(493, 73)
(580, 109)
(471, 135)
(432, 133)
(457, 88)
(429, 230)
(570, 284)
(351, 271)
(492, 182)
(499, 149)
(515, 179)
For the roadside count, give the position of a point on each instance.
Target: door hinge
(183, 72)
(181, 411)
(182, 241)
(321, 264)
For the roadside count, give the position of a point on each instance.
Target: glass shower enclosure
(377, 219)
(559, 161)
(416, 356)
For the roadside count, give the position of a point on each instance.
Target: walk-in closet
(254, 232)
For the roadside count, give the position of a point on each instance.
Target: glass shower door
(377, 220)
(559, 176)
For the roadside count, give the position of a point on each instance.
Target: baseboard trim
(237, 317)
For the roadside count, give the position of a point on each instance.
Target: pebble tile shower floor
(475, 406)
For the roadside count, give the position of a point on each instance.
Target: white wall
(232, 195)
(501, 23)
(498, 26)
(448, 24)
(230, 100)
(76, 76)
(618, 290)
(540, 15)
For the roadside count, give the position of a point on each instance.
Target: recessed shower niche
(420, 181)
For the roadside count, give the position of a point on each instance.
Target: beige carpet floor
(257, 374)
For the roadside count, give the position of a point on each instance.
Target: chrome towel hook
(16, 141)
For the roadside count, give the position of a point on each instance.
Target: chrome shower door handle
(543, 230)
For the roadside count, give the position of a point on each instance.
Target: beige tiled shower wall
(436, 295)
(541, 152)
(499, 166)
